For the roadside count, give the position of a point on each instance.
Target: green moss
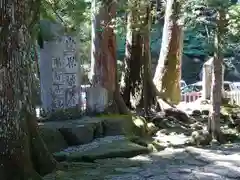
(229, 109)
(137, 126)
(63, 114)
(93, 171)
(226, 110)
(113, 116)
(131, 125)
(148, 142)
(53, 139)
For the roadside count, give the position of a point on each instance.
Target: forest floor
(116, 157)
(188, 163)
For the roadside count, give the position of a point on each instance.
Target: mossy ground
(92, 171)
(138, 141)
(132, 125)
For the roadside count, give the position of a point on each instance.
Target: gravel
(94, 144)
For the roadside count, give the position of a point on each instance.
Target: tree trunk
(216, 94)
(103, 60)
(43, 161)
(103, 55)
(159, 6)
(168, 71)
(15, 94)
(132, 77)
(149, 89)
(136, 79)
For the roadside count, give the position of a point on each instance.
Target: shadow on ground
(215, 163)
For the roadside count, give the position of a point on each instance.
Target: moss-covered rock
(151, 128)
(53, 139)
(115, 124)
(85, 130)
(232, 114)
(80, 134)
(200, 137)
(77, 131)
(230, 108)
(152, 144)
(197, 126)
(62, 114)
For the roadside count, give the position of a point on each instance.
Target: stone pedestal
(207, 78)
(97, 99)
(206, 81)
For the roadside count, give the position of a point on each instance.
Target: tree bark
(43, 161)
(216, 93)
(136, 86)
(132, 77)
(149, 89)
(15, 92)
(103, 55)
(168, 71)
(103, 59)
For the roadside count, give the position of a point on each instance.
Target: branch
(35, 11)
(56, 13)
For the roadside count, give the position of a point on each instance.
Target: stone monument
(59, 73)
(207, 78)
(97, 99)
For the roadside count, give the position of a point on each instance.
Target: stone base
(97, 99)
(82, 131)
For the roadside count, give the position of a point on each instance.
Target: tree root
(122, 108)
(216, 133)
(154, 97)
(32, 175)
(42, 159)
(167, 108)
(18, 162)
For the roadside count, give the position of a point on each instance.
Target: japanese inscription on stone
(58, 89)
(58, 102)
(70, 63)
(64, 83)
(71, 98)
(71, 80)
(58, 77)
(56, 62)
(70, 44)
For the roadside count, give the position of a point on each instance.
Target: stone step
(59, 134)
(107, 147)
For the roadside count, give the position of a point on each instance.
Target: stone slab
(119, 148)
(80, 134)
(53, 139)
